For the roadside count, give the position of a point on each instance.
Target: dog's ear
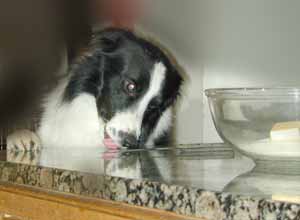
(87, 73)
(85, 76)
(109, 40)
(175, 83)
(178, 82)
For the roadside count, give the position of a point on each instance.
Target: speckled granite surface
(183, 200)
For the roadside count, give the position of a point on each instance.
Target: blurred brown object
(119, 13)
(33, 37)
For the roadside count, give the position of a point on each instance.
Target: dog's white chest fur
(75, 124)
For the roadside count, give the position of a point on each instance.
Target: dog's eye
(130, 87)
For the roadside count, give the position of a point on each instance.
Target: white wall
(227, 43)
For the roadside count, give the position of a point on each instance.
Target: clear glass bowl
(244, 118)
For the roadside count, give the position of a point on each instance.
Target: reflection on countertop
(205, 166)
(206, 180)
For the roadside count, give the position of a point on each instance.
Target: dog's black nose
(130, 141)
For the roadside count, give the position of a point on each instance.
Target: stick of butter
(286, 131)
(286, 198)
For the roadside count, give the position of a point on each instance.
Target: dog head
(134, 83)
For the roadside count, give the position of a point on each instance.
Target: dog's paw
(23, 140)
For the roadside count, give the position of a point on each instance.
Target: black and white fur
(93, 99)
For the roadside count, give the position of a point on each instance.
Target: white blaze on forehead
(131, 120)
(157, 77)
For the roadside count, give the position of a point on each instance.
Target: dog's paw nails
(23, 140)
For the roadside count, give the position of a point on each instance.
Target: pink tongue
(110, 144)
(112, 148)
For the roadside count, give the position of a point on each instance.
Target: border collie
(120, 93)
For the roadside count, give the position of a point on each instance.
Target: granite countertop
(207, 180)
